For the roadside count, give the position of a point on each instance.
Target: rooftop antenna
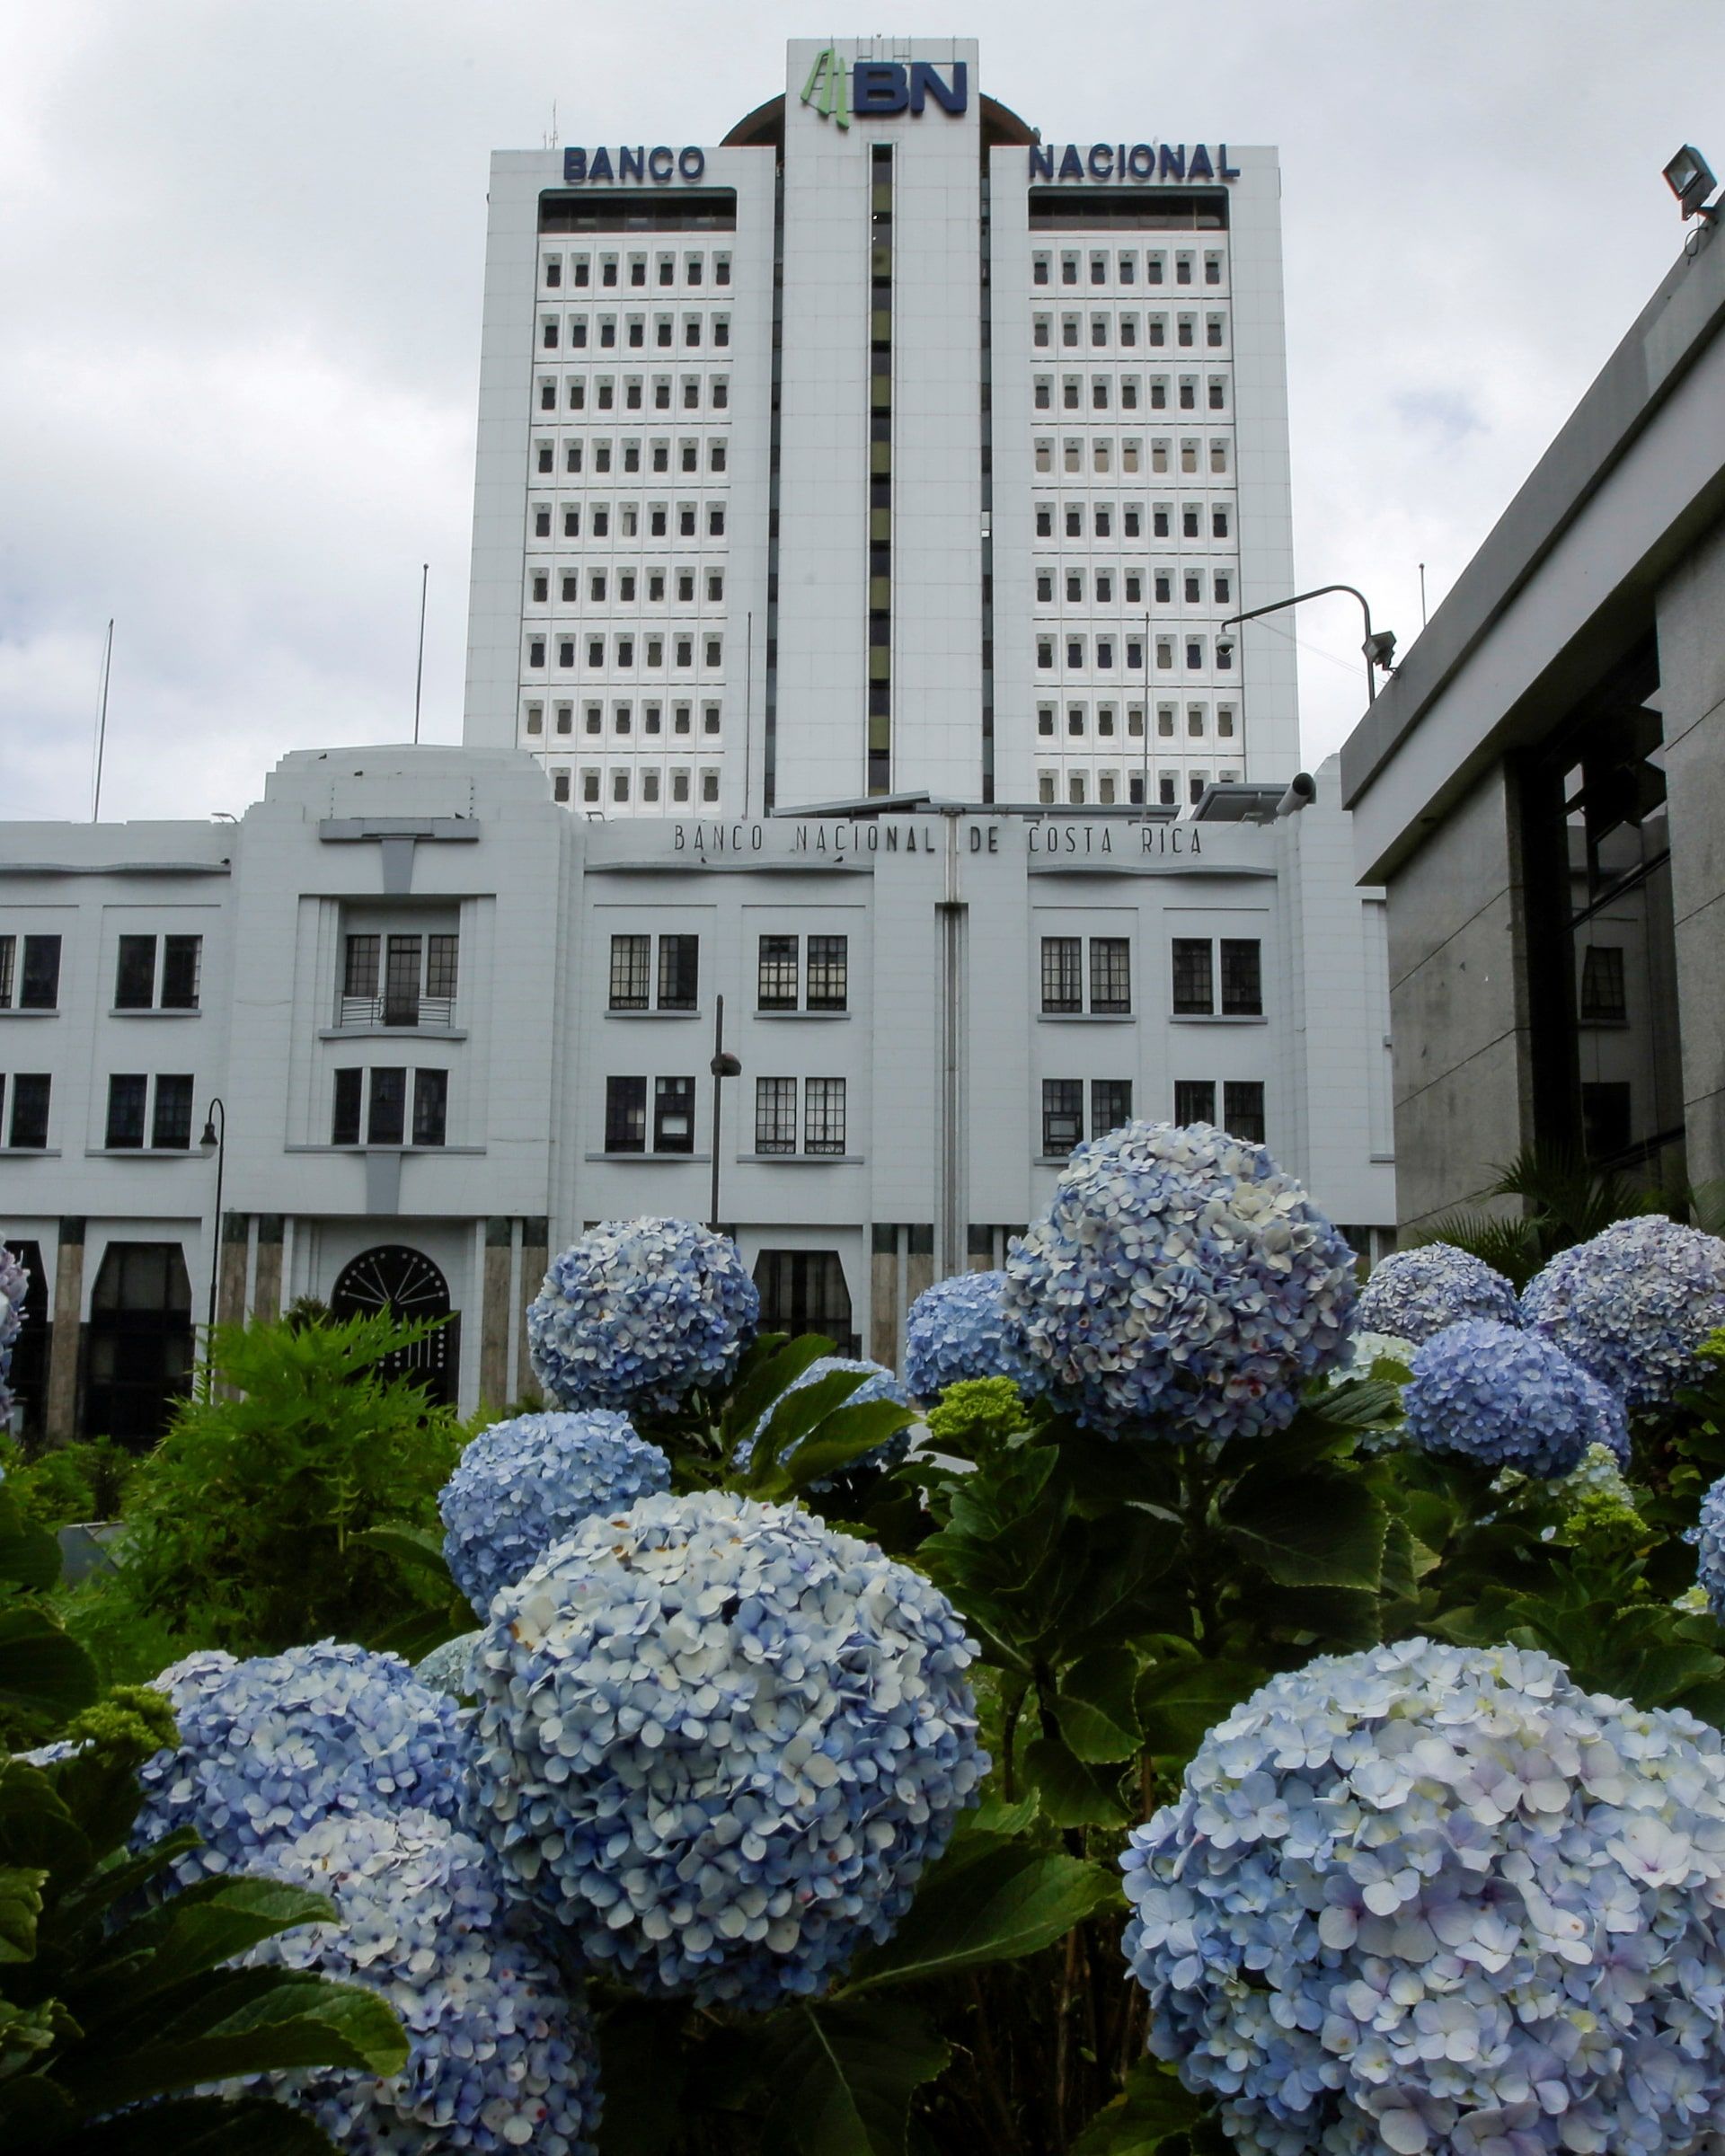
(419, 671)
(1422, 594)
(551, 139)
(101, 720)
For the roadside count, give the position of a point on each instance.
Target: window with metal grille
(776, 973)
(344, 1116)
(1194, 983)
(182, 959)
(828, 978)
(674, 1115)
(170, 1124)
(1243, 1109)
(30, 1095)
(40, 989)
(1604, 1001)
(135, 974)
(823, 1114)
(1063, 980)
(401, 982)
(625, 1115)
(1063, 1114)
(386, 1119)
(1111, 975)
(776, 1114)
(631, 956)
(678, 972)
(1243, 986)
(1194, 1100)
(359, 974)
(441, 961)
(430, 1106)
(126, 1093)
(1110, 1105)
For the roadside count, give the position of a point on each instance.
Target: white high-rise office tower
(884, 448)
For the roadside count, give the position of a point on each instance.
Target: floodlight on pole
(1379, 646)
(1690, 179)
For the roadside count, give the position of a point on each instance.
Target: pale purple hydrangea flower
(1441, 1901)
(1633, 1304)
(720, 1742)
(524, 1484)
(1419, 1291)
(1510, 1399)
(1709, 1538)
(1181, 1282)
(638, 1312)
(958, 1330)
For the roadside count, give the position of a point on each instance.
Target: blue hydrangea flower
(501, 2054)
(720, 1742)
(1441, 1901)
(1510, 1399)
(15, 1286)
(638, 1312)
(1419, 1291)
(879, 1383)
(522, 1485)
(959, 1328)
(446, 1668)
(1181, 1279)
(270, 1746)
(1709, 1538)
(1633, 1304)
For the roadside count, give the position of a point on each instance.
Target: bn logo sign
(874, 88)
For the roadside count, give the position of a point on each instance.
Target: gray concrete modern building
(1541, 790)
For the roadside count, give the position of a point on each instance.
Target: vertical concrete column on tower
(494, 1312)
(266, 1284)
(535, 1255)
(61, 1419)
(883, 1292)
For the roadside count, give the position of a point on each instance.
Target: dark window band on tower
(880, 607)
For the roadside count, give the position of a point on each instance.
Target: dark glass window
(679, 962)
(1110, 1105)
(625, 1115)
(135, 975)
(126, 1093)
(170, 1125)
(1194, 987)
(344, 1118)
(804, 1291)
(674, 1115)
(1242, 987)
(828, 973)
(30, 1092)
(359, 974)
(1607, 1125)
(777, 975)
(776, 1114)
(1243, 1109)
(8, 969)
(1194, 1100)
(1063, 981)
(1110, 974)
(40, 989)
(386, 1123)
(402, 983)
(430, 1106)
(1603, 1002)
(182, 967)
(442, 960)
(630, 959)
(1063, 1114)
(823, 1114)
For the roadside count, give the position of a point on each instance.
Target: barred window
(630, 957)
(1063, 981)
(30, 1098)
(1110, 1105)
(386, 1123)
(1194, 985)
(1603, 1002)
(441, 959)
(1063, 1114)
(625, 1115)
(1110, 974)
(1242, 987)
(674, 1115)
(401, 982)
(1194, 1100)
(679, 958)
(1242, 1109)
(823, 1114)
(126, 1096)
(828, 972)
(776, 976)
(430, 1106)
(776, 1114)
(183, 961)
(170, 1124)
(134, 976)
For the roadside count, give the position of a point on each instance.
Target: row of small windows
(597, 456)
(154, 1111)
(399, 980)
(635, 396)
(1082, 653)
(782, 980)
(623, 717)
(1108, 328)
(1102, 986)
(1074, 789)
(633, 271)
(645, 786)
(623, 645)
(1073, 518)
(1075, 268)
(1101, 395)
(627, 585)
(1110, 1105)
(627, 518)
(1070, 582)
(669, 1127)
(1130, 450)
(377, 1101)
(151, 973)
(1079, 717)
(599, 333)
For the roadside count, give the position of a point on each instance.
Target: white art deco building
(860, 505)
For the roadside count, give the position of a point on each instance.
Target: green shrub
(66, 1483)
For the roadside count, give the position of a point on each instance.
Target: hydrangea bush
(1710, 1548)
(720, 1742)
(1419, 1291)
(524, 1484)
(502, 2053)
(958, 1330)
(1509, 1399)
(879, 1383)
(270, 1746)
(638, 1312)
(1425, 1898)
(1633, 1306)
(1181, 1280)
(14, 1285)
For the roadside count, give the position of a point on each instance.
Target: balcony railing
(396, 1010)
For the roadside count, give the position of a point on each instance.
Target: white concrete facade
(878, 452)
(983, 975)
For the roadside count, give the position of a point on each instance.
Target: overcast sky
(241, 251)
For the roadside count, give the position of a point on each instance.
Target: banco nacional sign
(874, 89)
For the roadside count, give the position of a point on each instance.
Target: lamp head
(1690, 179)
(1380, 648)
(209, 1140)
(726, 1065)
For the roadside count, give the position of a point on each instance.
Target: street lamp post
(722, 1067)
(215, 1134)
(1379, 646)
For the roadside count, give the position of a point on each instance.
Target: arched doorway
(407, 1283)
(138, 1348)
